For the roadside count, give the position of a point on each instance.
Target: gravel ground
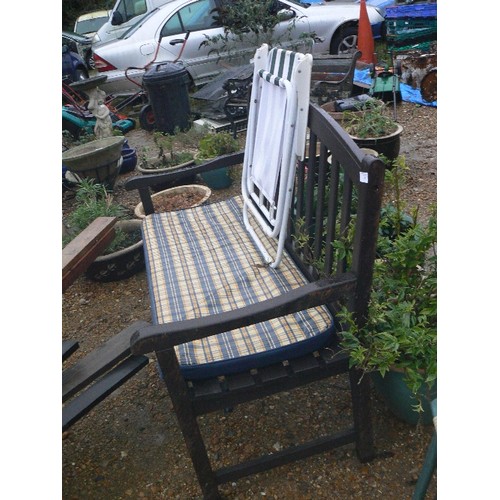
(130, 445)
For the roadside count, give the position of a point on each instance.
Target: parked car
(81, 45)
(73, 66)
(124, 15)
(88, 24)
(160, 35)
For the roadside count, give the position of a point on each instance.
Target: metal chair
(276, 136)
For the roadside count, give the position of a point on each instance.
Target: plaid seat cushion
(202, 262)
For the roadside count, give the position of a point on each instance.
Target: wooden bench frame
(91, 379)
(330, 151)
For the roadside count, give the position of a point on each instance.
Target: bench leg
(361, 409)
(187, 421)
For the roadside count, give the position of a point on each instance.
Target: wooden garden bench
(91, 379)
(228, 327)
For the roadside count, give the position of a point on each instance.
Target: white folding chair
(276, 135)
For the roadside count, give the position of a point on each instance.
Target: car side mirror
(65, 49)
(285, 14)
(116, 19)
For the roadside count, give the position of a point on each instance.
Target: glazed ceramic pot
(400, 400)
(387, 145)
(123, 263)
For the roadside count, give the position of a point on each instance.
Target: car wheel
(147, 118)
(81, 74)
(345, 40)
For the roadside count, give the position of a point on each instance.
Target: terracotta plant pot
(194, 193)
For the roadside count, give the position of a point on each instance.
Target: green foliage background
(74, 8)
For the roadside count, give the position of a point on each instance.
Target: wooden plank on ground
(96, 393)
(98, 361)
(68, 348)
(79, 253)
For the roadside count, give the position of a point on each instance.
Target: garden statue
(104, 126)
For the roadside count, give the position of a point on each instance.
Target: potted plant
(398, 343)
(176, 198)
(372, 128)
(211, 146)
(169, 153)
(125, 255)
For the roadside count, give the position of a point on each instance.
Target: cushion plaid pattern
(201, 262)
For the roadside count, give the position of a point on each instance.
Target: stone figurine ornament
(103, 126)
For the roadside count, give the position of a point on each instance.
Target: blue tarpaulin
(408, 93)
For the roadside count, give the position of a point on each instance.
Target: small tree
(252, 22)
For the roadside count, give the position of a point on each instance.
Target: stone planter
(99, 160)
(193, 195)
(121, 264)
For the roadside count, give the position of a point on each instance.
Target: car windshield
(90, 25)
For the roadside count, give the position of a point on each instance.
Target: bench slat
(68, 348)
(85, 401)
(97, 362)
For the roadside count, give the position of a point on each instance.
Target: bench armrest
(165, 336)
(145, 182)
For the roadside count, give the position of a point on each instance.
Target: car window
(90, 25)
(131, 8)
(193, 17)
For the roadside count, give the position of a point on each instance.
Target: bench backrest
(337, 199)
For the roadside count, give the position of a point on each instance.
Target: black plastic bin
(167, 87)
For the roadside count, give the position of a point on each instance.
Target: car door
(203, 60)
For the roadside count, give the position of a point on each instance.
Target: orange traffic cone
(365, 36)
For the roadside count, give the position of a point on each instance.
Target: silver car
(161, 36)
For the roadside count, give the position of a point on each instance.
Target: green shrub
(93, 201)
